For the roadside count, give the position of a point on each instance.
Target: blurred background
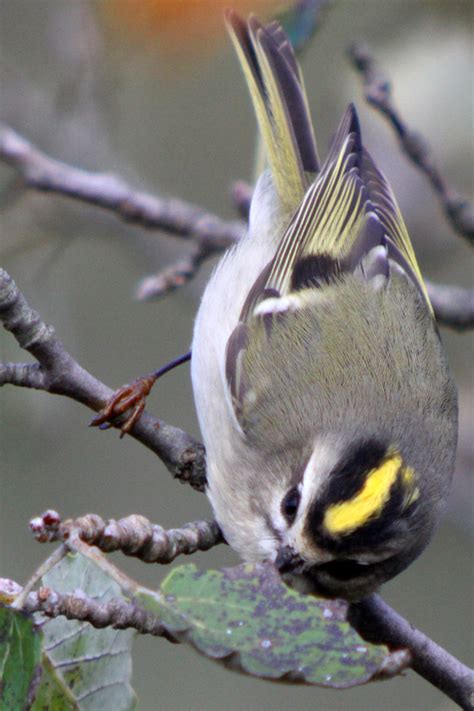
(159, 100)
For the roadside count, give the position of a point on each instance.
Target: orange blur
(179, 26)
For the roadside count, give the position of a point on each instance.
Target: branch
(116, 613)
(210, 234)
(378, 93)
(453, 305)
(57, 372)
(179, 218)
(378, 622)
(176, 275)
(185, 269)
(241, 194)
(134, 535)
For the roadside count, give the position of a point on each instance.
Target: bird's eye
(290, 503)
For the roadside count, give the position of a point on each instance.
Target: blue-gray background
(90, 97)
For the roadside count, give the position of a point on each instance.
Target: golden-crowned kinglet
(326, 406)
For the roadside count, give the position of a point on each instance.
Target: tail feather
(348, 209)
(280, 103)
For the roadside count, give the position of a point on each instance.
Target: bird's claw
(129, 397)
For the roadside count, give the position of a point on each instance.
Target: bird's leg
(132, 397)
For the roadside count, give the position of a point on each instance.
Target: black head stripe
(349, 476)
(376, 531)
(345, 481)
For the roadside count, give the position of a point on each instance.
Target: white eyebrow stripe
(324, 458)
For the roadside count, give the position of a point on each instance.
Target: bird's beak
(288, 561)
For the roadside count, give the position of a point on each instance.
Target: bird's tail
(276, 86)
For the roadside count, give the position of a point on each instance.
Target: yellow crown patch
(346, 516)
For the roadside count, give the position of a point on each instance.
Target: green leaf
(28, 680)
(248, 618)
(52, 693)
(89, 668)
(20, 657)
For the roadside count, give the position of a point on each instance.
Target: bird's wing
(348, 220)
(347, 223)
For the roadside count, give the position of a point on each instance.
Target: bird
(323, 393)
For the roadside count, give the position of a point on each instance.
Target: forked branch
(57, 372)
(378, 93)
(209, 235)
(176, 217)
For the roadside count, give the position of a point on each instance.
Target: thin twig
(210, 235)
(107, 191)
(378, 93)
(59, 373)
(378, 622)
(134, 535)
(241, 194)
(175, 275)
(42, 570)
(116, 613)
